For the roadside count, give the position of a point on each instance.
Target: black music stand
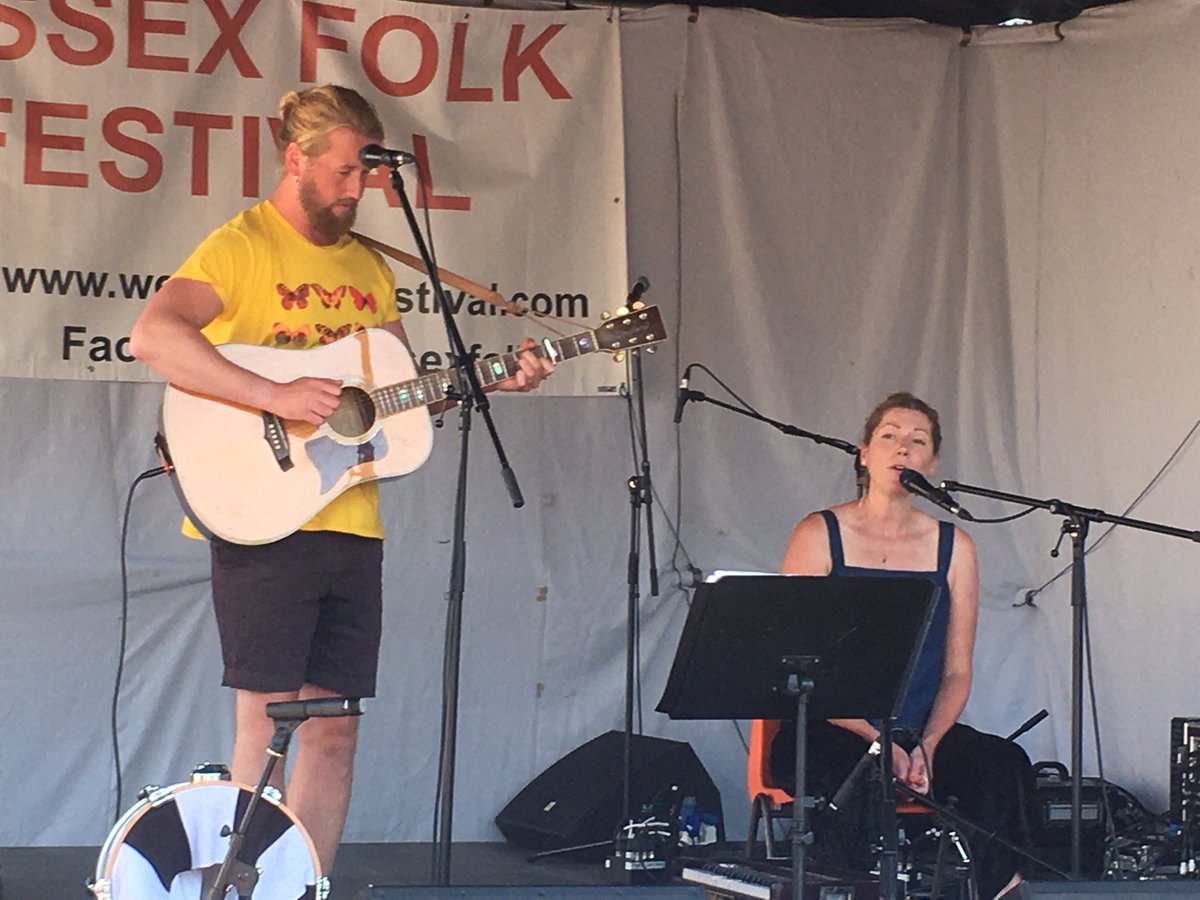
(784, 646)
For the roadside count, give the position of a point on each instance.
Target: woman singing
(882, 534)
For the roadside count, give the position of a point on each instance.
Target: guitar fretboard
(437, 386)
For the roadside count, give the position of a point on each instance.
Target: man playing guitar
(299, 617)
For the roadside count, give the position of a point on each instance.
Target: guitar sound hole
(355, 414)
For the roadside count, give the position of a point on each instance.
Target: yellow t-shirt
(281, 290)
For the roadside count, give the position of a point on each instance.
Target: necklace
(884, 552)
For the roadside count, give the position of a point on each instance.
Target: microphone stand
(640, 497)
(234, 873)
(470, 393)
(1076, 520)
(687, 395)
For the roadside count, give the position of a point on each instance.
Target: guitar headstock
(631, 328)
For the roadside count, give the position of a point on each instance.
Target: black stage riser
(1106, 890)
(591, 892)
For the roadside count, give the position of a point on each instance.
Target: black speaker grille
(578, 799)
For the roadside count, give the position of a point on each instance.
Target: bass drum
(173, 841)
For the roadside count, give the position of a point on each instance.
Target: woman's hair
(904, 400)
(307, 117)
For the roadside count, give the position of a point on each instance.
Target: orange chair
(769, 802)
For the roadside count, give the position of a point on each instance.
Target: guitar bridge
(277, 439)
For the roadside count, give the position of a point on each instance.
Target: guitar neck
(438, 386)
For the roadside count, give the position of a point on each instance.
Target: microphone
(860, 768)
(683, 395)
(324, 707)
(639, 288)
(373, 155)
(1028, 723)
(916, 483)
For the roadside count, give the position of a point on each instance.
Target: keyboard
(734, 880)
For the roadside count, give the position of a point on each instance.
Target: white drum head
(160, 846)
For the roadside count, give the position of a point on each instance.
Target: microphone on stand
(323, 707)
(373, 155)
(639, 287)
(860, 473)
(683, 395)
(916, 483)
(860, 768)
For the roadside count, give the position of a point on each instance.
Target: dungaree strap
(835, 540)
(837, 554)
(945, 547)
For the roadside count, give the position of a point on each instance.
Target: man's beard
(324, 219)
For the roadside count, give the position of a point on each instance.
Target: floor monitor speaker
(578, 799)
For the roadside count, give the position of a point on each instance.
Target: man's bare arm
(168, 339)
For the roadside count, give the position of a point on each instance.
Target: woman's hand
(914, 770)
(920, 770)
(901, 763)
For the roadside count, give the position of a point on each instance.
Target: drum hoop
(158, 797)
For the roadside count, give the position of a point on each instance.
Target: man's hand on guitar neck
(533, 369)
(310, 400)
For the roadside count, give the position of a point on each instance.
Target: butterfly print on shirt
(289, 298)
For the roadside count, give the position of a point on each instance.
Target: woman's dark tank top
(927, 674)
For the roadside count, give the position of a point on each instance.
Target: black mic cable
(160, 446)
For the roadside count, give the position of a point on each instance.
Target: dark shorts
(306, 609)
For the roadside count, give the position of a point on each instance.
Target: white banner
(128, 131)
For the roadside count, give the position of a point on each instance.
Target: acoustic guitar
(249, 477)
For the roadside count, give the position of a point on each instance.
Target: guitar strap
(487, 295)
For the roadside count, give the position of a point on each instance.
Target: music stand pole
(757, 646)
(889, 856)
(799, 685)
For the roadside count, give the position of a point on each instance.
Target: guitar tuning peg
(651, 349)
(638, 305)
(619, 356)
(606, 315)
(622, 310)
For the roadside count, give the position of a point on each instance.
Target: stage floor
(61, 873)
